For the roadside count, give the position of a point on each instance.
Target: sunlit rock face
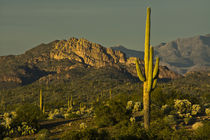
(86, 52)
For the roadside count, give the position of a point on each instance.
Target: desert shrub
(55, 114)
(160, 130)
(166, 109)
(182, 106)
(188, 120)
(137, 107)
(71, 115)
(196, 125)
(181, 134)
(111, 114)
(119, 111)
(156, 112)
(8, 119)
(43, 134)
(170, 119)
(207, 111)
(82, 126)
(87, 134)
(203, 133)
(196, 109)
(25, 129)
(130, 105)
(24, 121)
(131, 132)
(158, 97)
(28, 113)
(104, 116)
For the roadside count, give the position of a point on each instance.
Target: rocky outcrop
(14, 79)
(86, 52)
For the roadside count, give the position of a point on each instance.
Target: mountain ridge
(57, 61)
(183, 54)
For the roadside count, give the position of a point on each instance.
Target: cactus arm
(150, 80)
(139, 73)
(156, 69)
(154, 84)
(43, 109)
(147, 42)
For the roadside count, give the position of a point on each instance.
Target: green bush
(26, 129)
(160, 130)
(111, 114)
(104, 116)
(131, 132)
(71, 116)
(158, 97)
(181, 134)
(182, 106)
(28, 113)
(196, 109)
(156, 112)
(170, 119)
(43, 134)
(87, 134)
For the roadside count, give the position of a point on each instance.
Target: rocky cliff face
(86, 52)
(66, 59)
(95, 55)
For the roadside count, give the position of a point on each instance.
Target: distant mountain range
(69, 61)
(181, 55)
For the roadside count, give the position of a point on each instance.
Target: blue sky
(25, 24)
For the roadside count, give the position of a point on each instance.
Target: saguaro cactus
(70, 103)
(150, 75)
(41, 101)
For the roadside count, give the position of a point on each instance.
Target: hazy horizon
(25, 24)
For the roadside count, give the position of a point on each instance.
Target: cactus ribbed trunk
(146, 105)
(150, 75)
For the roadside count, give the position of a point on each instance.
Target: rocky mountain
(182, 55)
(64, 60)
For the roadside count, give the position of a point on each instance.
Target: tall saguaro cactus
(150, 75)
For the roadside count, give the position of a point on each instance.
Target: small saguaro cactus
(43, 109)
(98, 98)
(150, 75)
(41, 100)
(70, 103)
